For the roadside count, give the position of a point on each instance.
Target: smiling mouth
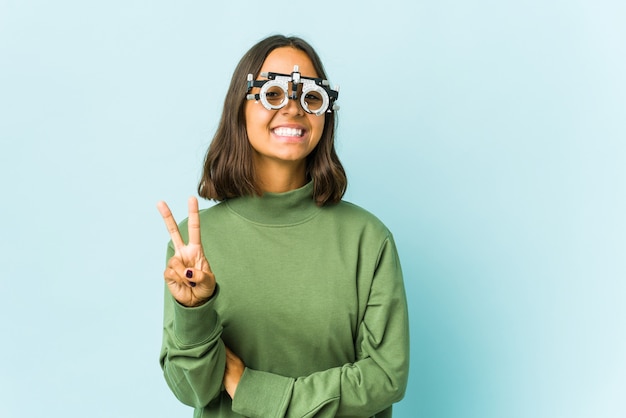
(289, 132)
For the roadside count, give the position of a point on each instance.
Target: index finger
(193, 222)
(171, 225)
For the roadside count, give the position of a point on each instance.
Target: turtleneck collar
(277, 209)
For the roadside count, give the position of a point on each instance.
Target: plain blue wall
(489, 136)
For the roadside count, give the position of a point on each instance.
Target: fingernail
(189, 274)
(192, 284)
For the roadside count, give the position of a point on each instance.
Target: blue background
(488, 135)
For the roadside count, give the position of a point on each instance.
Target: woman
(286, 301)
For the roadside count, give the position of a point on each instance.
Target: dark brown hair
(228, 165)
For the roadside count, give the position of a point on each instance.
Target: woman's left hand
(232, 373)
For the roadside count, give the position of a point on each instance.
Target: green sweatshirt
(310, 298)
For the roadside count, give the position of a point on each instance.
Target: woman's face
(288, 134)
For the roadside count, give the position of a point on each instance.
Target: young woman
(282, 300)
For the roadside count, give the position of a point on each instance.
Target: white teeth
(288, 132)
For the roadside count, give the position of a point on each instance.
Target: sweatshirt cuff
(262, 394)
(194, 326)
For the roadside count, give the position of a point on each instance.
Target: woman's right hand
(188, 274)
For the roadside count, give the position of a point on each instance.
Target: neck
(280, 176)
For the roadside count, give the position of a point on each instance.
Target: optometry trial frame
(316, 96)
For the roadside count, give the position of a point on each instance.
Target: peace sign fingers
(188, 274)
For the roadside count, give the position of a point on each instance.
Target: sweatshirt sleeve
(192, 353)
(375, 381)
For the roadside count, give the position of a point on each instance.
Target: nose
(293, 106)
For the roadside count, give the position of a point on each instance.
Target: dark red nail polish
(189, 274)
(192, 284)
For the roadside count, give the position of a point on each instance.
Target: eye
(275, 95)
(312, 98)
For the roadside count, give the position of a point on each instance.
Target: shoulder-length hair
(228, 165)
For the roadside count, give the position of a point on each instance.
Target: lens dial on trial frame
(315, 95)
